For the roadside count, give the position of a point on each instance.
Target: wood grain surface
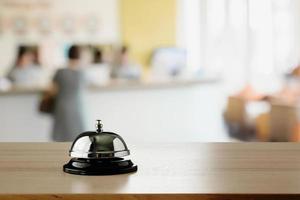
(31, 171)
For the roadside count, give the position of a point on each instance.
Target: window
(250, 41)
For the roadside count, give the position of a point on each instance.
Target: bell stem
(99, 126)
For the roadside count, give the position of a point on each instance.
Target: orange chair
(283, 122)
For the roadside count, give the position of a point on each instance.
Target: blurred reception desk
(133, 109)
(183, 171)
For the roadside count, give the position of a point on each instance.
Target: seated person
(124, 67)
(26, 72)
(99, 72)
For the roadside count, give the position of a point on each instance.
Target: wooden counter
(32, 171)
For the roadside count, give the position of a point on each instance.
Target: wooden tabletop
(185, 171)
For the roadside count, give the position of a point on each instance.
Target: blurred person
(295, 71)
(98, 57)
(124, 67)
(250, 94)
(86, 57)
(99, 72)
(26, 71)
(68, 87)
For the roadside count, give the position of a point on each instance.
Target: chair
(283, 120)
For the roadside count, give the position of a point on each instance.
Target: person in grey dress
(69, 84)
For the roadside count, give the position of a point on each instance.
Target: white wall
(106, 13)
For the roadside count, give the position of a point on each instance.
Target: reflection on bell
(99, 153)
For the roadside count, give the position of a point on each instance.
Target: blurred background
(155, 71)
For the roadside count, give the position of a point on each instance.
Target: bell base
(95, 167)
